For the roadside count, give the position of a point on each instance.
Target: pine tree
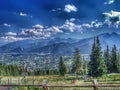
(97, 65)
(115, 67)
(62, 67)
(118, 64)
(93, 61)
(107, 59)
(77, 62)
(85, 67)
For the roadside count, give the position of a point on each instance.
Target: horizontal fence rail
(36, 84)
(65, 87)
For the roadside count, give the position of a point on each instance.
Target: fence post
(8, 81)
(44, 84)
(45, 87)
(18, 81)
(0, 80)
(33, 81)
(95, 85)
(74, 81)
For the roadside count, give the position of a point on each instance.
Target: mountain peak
(61, 46)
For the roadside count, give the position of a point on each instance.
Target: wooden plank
(22, 85)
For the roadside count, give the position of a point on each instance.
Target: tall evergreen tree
(118, 62)
(115, 67)
(85, 67)
(93, 61)
(77, 62)
(62, 67)
(107, 59)
(97, 65)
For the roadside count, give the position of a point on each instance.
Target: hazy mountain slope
(60, 46)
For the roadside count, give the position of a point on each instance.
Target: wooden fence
(10, 84)
(73, 87)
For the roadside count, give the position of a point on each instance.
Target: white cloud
(70, 8)
(55, 29)
(56, 10)
(7, 25)
(93, 24)
(112, 14)
(11, 34)
(31, 32)
(70, 26)
(99, 24)
(109, 2)
(40, 31)
(87, 25)
(11, 38)
(23, 14)
(112, 18)
(38, 26)
(72, 19)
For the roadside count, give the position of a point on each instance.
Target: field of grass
(51, 80)
(56, 80)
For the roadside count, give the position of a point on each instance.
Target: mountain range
(60, 46)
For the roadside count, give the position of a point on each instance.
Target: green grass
(61, 81)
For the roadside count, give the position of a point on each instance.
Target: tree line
(101, 62)
(78, 66)
(8, 70)
(14, 70)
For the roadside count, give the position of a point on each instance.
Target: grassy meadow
(56, 80)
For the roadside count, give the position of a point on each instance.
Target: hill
(60, 46)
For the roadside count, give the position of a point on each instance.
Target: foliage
(115, 66)
(14, 70)
(8, 70)
(97, 65)
(77, 62)
(62, 67)
(85, 67)
(107, 59)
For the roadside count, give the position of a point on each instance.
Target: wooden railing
(67, 87)
(95, 86)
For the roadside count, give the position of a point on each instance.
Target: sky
(45, 19)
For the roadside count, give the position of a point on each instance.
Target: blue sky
(42, 19)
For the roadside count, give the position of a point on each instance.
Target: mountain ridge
(61, 46)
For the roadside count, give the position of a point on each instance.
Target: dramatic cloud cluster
(11, 38)
(112, 18)
(110, 2)
(36, 32)
(70, 8)
(70, 26)
(39, 31)
(43, 32)
(93, 24)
